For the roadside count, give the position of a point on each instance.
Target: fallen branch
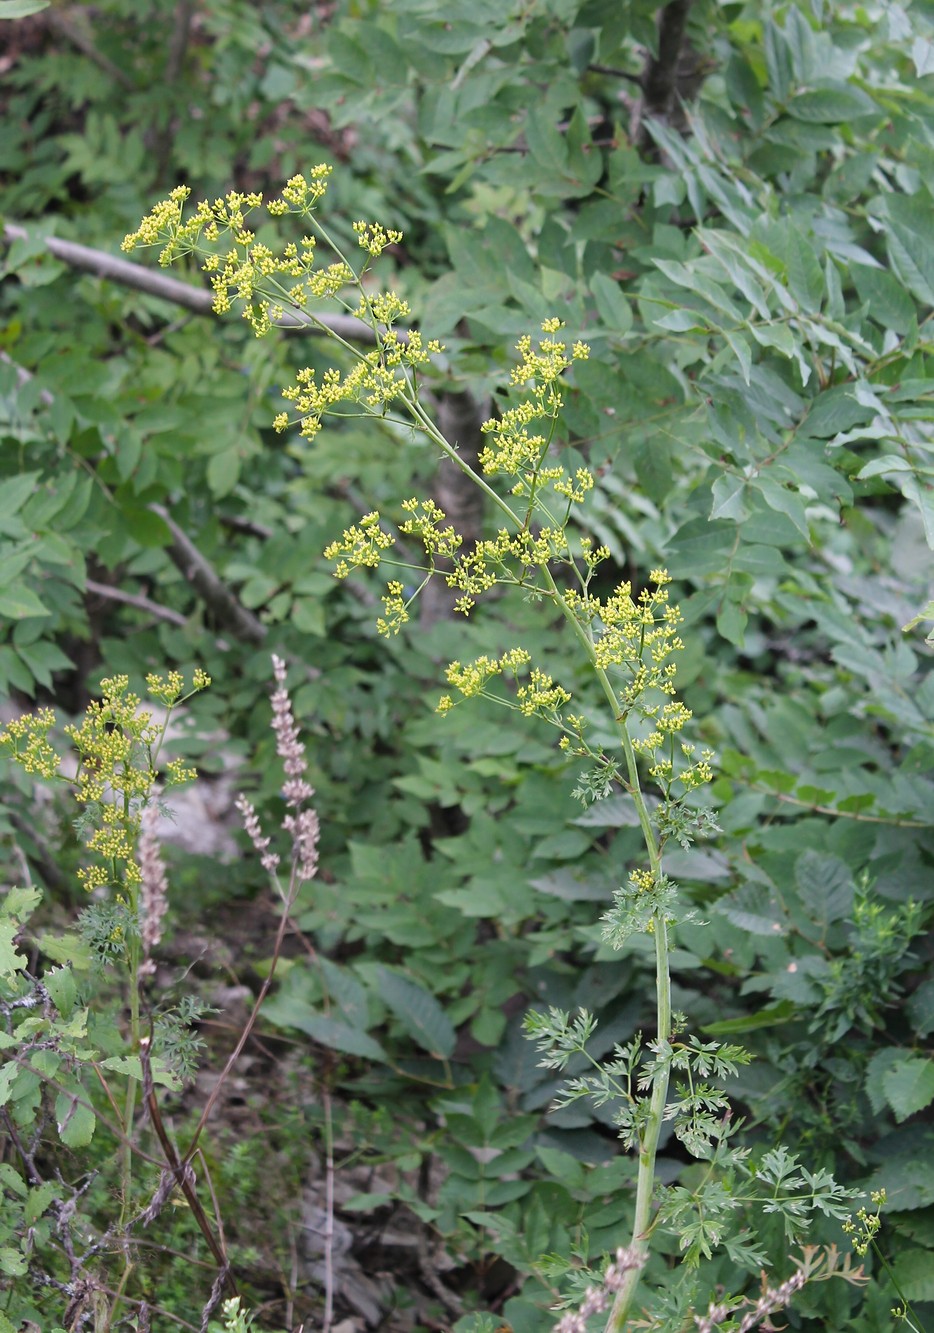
(207, 583)
(135, 599)
(199, 299)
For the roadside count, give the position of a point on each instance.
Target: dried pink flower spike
(270, 860)
(153, 888)
(301, 824)
(596, 1299)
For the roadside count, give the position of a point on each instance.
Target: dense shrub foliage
(730, 206)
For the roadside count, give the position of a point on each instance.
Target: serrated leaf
(346, 992)
(419, 1013)
(922, 54)
(37, 1201)
(879, 467)
(921, 1008)
(613, 812)
(740, 346)
(8, 1075)
(889, 304)
(365, 1203)
(12, 1262)
(68, 947)
(913, 1270)
(15, 491)
(545, 141)
(60, 983)
(784, 501)
(573, 886)
(74, 1118)
(825, 885)
(131, 1067)
(752, 908)
(728, 493)
(909, 1086)
(731, 623)
(10, 960)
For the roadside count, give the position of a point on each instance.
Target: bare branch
(207, 583)
(615, 73)
(198, 299)
(135, 599)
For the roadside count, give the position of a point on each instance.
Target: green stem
(645, 1182)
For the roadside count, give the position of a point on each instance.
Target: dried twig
(615, 73)
(207, 583)
(135, 599)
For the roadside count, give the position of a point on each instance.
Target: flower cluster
(505, 558)
(638, 634)
(471, 680)
(515, 451)
(249, 270)
(539, 697)
(424, 522)
(373, 238)
(28, 739)
(867, 1226)
(395, 608)
(117, 744)
(300, 195)
(360, 547)
(373, 381)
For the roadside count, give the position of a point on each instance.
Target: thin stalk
(645, 1183)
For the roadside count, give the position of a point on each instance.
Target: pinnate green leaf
(825, 885)
(336, 1035)
(419, 1013)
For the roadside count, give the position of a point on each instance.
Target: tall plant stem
(648, 1150)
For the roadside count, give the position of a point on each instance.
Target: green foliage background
(756, 280)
